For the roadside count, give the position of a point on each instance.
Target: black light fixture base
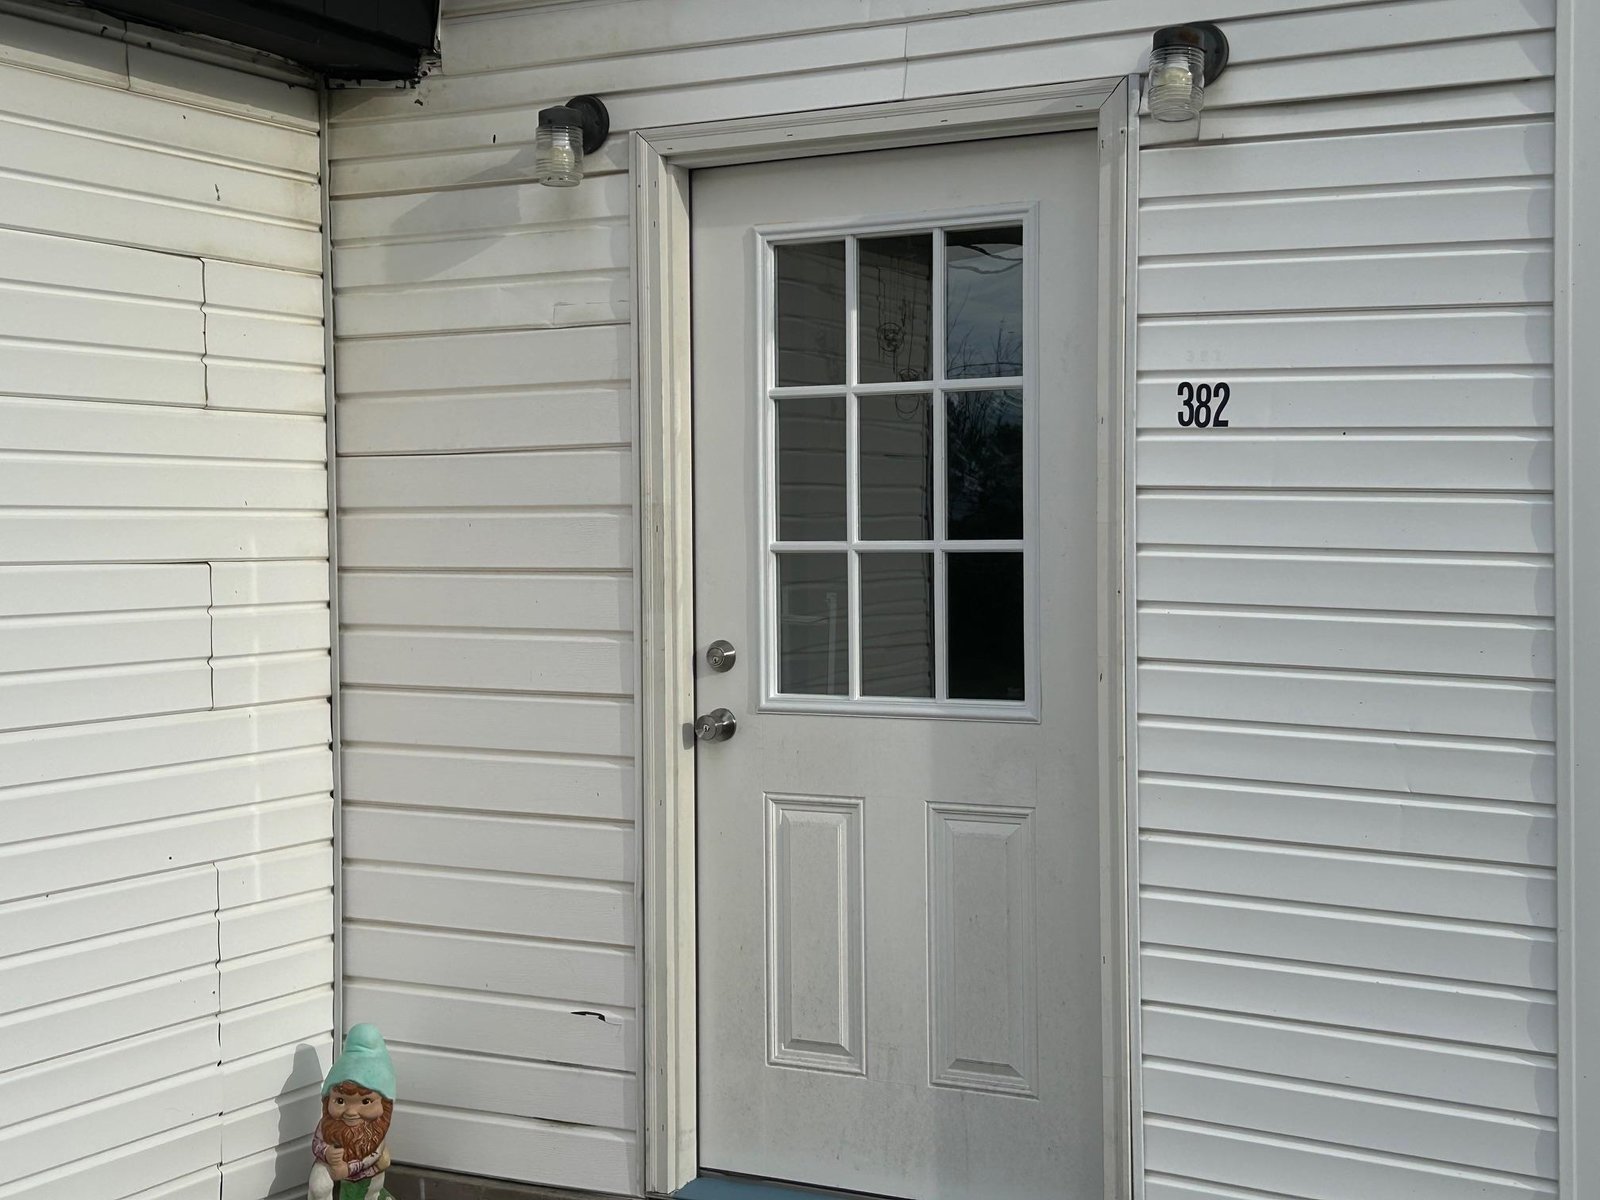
(1210, 39)
(594, 118)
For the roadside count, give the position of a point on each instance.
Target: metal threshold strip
(727, 1187)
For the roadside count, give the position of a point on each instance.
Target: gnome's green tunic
(366, 1063)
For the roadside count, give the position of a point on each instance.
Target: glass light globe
(1177, 82)
(558, 148)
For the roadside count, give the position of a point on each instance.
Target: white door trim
(661, 162)
(1577, 561)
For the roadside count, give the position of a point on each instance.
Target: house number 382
(1202, 405)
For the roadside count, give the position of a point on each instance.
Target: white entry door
(895, 529)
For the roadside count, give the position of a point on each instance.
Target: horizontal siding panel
(269, 925)
(1496, 1141)
(260, 337)
(1507, 525)
(272, 629)
(1523, 896)
(445, 1019)
(256, 1129)
(491, 662)
(1431, 583)
(111, 322)
(1402, 824)
(1500, 709)
(47, 976)
(485, 601)
(528, 785)
(31, 869)
(137, 1166)
(112, 274)
(1320, 1172)
(47, 591)
(57, 642)
(141, 119)
(76, 916)
(1354, 160)
(1431, 766)
(1458, 1074)
(537, 418)
(239, 286)
(71, 209)
(580, 974)
(97, 482)
(1506, 647)
(76, 1079)
(103, 1124)
(568, 479)
(61, 371)
(129, 535)
(527, 846)
(269, 679)
(1446, 950)
(1485, 462)
(506, 206)
(255, 583)
(1353, 400)
(546, 540)
(566, 727)
(81, 426)
(1488, 338)
(519, 1089)
(84, 805)
(1468, 277)
(1497, 212)
(507, 1147)
(273, 873)
(39, 1034)
(442, 265)
(305, 1016)
(273, 973)
(1482, 1014)
(43, 698)
(464, 362)
(265, 387)
(547, 303)
(509, 904)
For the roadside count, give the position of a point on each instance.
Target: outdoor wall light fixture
(566, 134)
(1183, 59)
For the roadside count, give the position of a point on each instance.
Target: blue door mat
(712, 1187)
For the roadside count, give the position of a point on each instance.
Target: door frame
(661, 162)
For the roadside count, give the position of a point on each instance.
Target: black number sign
(1197, 411)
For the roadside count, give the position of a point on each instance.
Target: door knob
(718, 725)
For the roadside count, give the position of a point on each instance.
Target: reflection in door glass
(896, 308)
(983, 302)
(809, 304)
(897, 625)
(896, 437)
(813, 624)
(987, 611)
(811, 469)
(983, 457)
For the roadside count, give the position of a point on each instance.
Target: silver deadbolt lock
(718, 725)
(721, 655)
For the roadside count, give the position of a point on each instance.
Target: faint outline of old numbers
(1201, 405)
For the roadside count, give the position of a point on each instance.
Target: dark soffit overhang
(343, 39)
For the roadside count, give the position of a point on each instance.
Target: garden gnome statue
(350, 1147)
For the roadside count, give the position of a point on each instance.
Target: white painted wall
(166, 906)
(1344, 646)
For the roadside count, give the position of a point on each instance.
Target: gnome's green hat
(365, 1061)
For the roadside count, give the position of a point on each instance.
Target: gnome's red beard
(360, 1140)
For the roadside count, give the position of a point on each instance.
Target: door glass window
(898, 505)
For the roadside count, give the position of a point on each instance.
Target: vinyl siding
(1344, 641)
(166, 873)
